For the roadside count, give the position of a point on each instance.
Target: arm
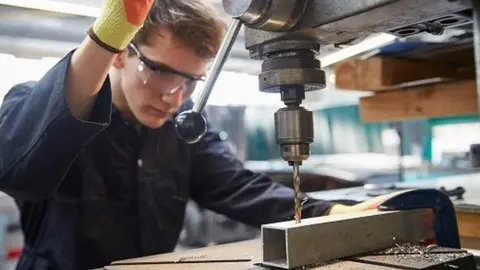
(44, 125)
(222, 184)
(88, 69)
(39, 135)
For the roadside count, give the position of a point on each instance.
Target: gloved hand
(118, 22)
(363, 206)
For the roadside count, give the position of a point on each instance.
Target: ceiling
(32, 33)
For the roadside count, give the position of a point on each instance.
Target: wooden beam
(469, 228)
(380, 73)
(434, 100)
(468, 224)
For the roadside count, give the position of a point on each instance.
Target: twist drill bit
(296, 188)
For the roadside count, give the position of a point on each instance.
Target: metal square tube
(288, 245)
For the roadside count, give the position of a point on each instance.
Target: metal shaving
(321, 264)
(407, 248)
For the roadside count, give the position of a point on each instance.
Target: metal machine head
(287, 34)
(289, 68)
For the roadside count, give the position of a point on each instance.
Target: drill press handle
(191, 125)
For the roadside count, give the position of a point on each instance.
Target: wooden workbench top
(247, 250)
(251, 250)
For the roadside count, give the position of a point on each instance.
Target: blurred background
(34, 35)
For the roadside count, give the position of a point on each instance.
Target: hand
(371, 204)
(118, 23)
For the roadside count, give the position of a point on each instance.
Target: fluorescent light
(54, 6)
(364, 46)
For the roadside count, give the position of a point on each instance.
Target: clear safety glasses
(162, 77)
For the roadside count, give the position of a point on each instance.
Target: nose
(174, 100)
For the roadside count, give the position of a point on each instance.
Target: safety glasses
(162, 77)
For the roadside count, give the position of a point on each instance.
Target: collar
(116, 111)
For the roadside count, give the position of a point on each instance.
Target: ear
(119, 61)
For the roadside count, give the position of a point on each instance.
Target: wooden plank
(435, 100)
(242, 250)
(468, 225)
(379, 73)
(472, 243)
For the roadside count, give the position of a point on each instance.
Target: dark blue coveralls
(91, 192)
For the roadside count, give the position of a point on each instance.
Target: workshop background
(346, 152)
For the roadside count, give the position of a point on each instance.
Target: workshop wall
(338, 130)
(230, 122)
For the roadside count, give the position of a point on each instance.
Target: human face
(158, 78)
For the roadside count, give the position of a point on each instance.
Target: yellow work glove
(363, 206)
(118, 22)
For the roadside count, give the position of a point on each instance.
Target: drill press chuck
(294, 133)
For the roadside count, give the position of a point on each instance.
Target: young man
(90, 152)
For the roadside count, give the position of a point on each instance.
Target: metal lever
(191, 125)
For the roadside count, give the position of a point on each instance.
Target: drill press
(291, 71)
(289, 68)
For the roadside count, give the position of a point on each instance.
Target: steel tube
(217, 66)
(315, 240)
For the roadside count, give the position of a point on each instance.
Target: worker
(90, 154)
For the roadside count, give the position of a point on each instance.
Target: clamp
(445, 222)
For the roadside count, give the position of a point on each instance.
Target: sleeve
(222, 184)
(40, 138)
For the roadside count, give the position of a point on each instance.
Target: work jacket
(92, 192)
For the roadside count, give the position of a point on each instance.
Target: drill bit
(296, 189)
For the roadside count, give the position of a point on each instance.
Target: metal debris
(408, 249)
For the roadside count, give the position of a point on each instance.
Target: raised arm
(45, 124)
